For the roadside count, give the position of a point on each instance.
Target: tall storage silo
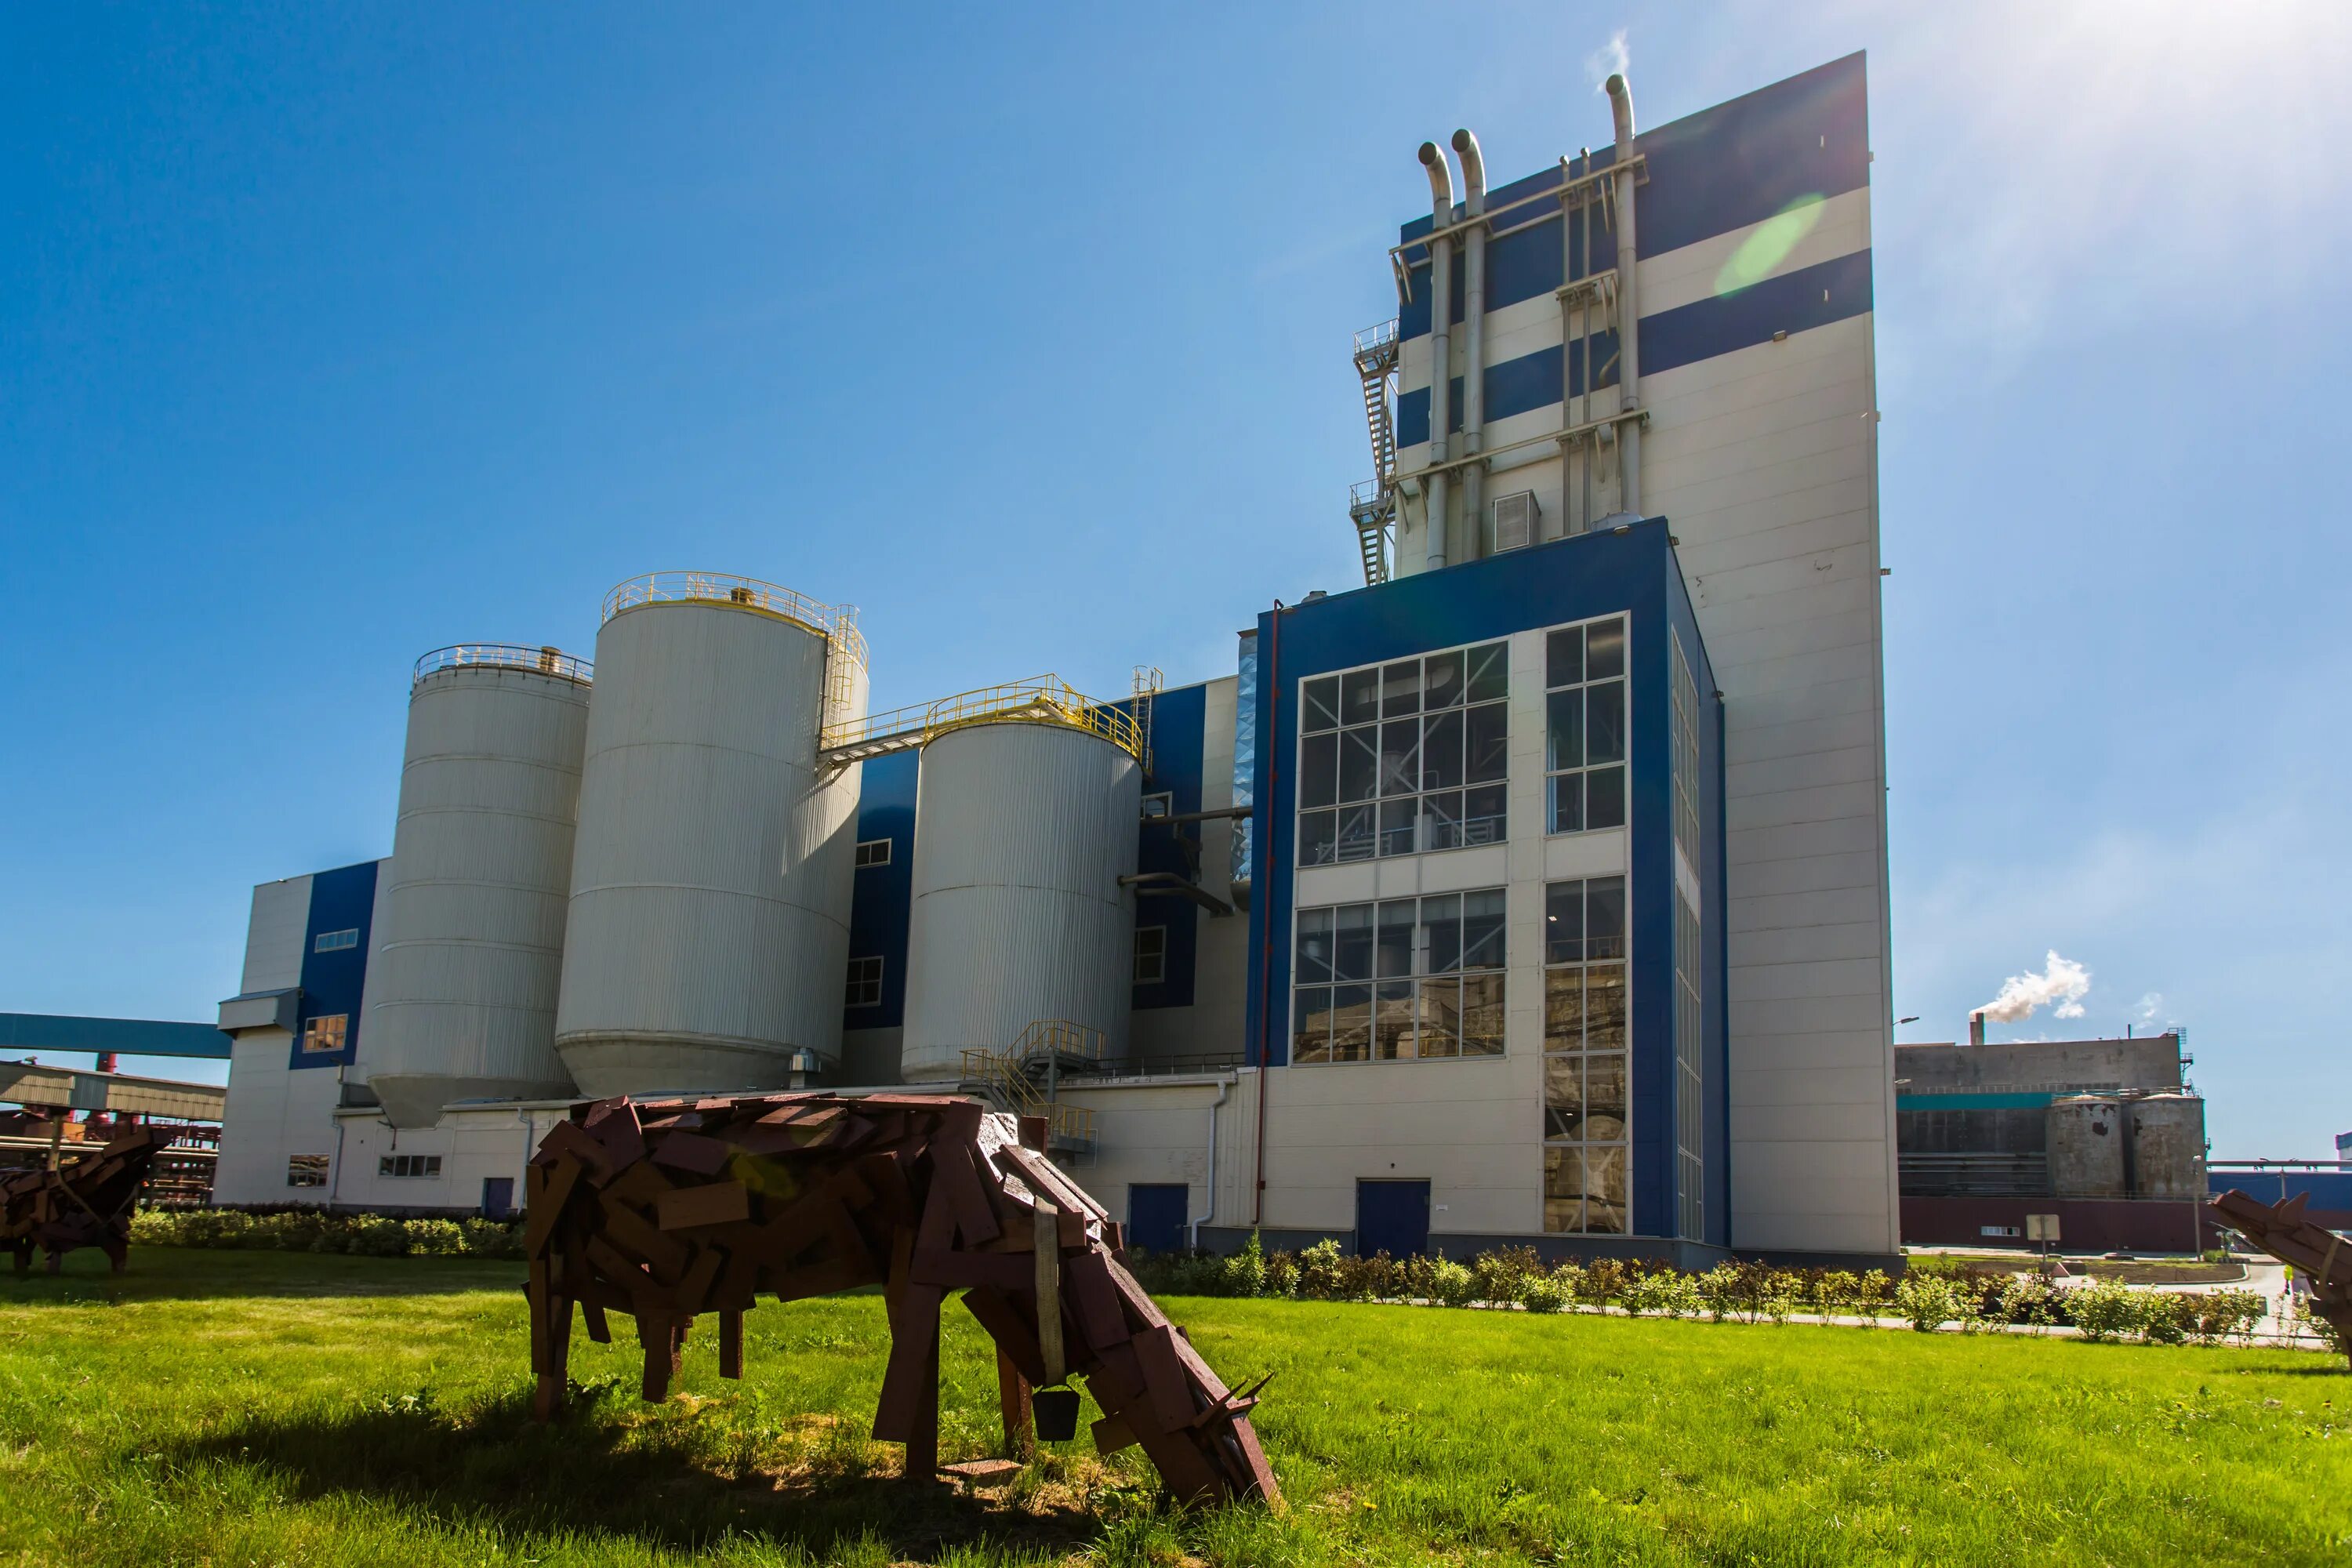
(2087, 1147)
(462, 988)
(711, 881)
(1024, 822)
(2168, 1146)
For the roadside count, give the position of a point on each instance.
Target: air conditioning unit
(1515, 521)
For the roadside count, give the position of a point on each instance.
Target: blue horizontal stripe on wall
(1809, 297)
(126, 1037)
(1708, 174)
(1513, 386)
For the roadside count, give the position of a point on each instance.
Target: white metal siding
(462, 992)
(709, 928)
(1022, 832)
(274, 935)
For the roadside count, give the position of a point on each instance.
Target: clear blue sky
(329, 335)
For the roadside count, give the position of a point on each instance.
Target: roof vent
(1515, 521)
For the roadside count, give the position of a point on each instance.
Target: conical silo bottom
(417, 1099)
(634, 1065)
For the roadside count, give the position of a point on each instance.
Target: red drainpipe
(1268, 733)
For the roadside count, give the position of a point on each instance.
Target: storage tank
(710, 882)
(2167, 1134)
(469, 946)
(1025, 820)
(2087, 1147)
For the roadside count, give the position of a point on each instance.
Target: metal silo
(1024, 822)
(710, 882)
(2167, 1147)
(462, 987)
(2087, 1147)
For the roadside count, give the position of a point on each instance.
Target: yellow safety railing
(505, 656)
(1040, 700)
(837, 623)
(1004, 1075)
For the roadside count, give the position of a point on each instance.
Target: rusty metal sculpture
(2318, 1253)
(85, 1202)
(663, 1209)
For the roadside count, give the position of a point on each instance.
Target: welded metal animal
(85, 1202)
(2318, 1254)
(667, 1209)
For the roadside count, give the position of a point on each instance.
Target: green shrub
(2104, 1310)
(490, 1238)
(434, 1237)
(1282, 1275)
(1667, 1292)
(1245, 1269)
(2028, 1299)
(2222, 1316)
(1546, 1293)
(1451, 1284)
(1927, 1302)
(1502, 1276)
(2165, 1317)
(1320, 1270)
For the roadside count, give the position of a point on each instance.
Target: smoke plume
(2063, 982)
(1611, 59)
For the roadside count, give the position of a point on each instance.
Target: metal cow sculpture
(667, 1209)
(2320, 1254)
(85, 1202)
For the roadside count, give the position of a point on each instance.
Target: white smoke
(2150, 1008)
(1611, 59)
(2061, 982)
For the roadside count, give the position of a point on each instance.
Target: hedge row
(1934, 1292)
(315, 1230)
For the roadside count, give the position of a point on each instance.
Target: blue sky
(331, 335)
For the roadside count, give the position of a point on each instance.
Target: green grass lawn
(230, 1408)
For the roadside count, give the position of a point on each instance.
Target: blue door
(1391, 1217)
(1157, 1215)
(497, 1196)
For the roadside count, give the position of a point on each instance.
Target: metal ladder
(1371, 505)
(1009, 1079)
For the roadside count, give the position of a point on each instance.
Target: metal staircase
(1371, 505)
(1026, 1079)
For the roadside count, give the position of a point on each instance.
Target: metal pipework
(1441, 350)
(1629, 302)
(1473, 340)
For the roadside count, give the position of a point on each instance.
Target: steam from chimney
(1612, 58)
(2061, 986)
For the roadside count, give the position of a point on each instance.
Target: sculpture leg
(654, 1335)
(1012, 1397)
(731, 1344)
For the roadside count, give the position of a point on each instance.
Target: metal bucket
(1056, 1411)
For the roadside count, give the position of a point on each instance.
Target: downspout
(1441, 352)
(1267, 735)
(1474, 343)
(1628, 304)
(1193, 1226)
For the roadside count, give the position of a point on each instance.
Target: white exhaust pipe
(1474, 341)
(1629, 303)
(1441, 348)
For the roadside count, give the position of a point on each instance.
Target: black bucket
(1056, 1411)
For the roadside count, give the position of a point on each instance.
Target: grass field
(232, 1409)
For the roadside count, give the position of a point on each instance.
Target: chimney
(106, 1061)
(1975, 1028)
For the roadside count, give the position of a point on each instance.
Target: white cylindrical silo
(462, 987)
(711, 881)
(1022, 830)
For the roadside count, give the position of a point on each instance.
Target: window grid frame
(408, 1167)
(1378, 810)
(860, 980)
(861, 861)
(1584, 1056)
(1491, 978)
(326, 1033)
(1159, 956)
(1585, 769)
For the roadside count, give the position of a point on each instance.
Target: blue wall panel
(882, 903)
(1713, 910)
(1178, 726)
(332, 982)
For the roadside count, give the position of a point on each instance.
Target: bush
(1502, 1276)
(2028, 1299)
(1282, 1275)
(2226, 1315)
(434, 1238)
(1930, 1301)
(1320, 1269)
(1546, 1293)
(1451, 1284)
(2104, 1310)
(490, 1238)
(1668, 1292)
(1245, 1269)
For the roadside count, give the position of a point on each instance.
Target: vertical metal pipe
(1629, 303)
(1473, 345)
(1440, 351)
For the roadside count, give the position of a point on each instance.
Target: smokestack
(1975, 1028)
(1441, 349)
(106, 1061)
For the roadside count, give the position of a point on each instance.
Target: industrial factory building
(1534, 891)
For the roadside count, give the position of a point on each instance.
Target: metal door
(1157, 1215)
(1391, 1217)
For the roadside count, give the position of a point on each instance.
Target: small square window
(1158, 805)
(865, 988)
(324, 1036)
(873, 852)
(306, 1170)
(1151, 955)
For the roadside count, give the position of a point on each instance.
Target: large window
(1585, 1057)
(1401, 980)
(306, 1170)
(323, 1037)
(1403, 757)
(1584, 682)
(421, 1167)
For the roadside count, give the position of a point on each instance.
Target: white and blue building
(1534, 891)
